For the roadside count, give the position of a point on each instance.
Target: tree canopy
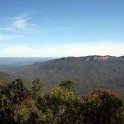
(59, 105)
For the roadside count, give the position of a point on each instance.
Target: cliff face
(101, 58)
(93, 58)
(104, 58)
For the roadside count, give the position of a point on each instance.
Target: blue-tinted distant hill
(17, 61)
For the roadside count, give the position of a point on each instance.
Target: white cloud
(20, 23)
(95, 49)
(64, 50)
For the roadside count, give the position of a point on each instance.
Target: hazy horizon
(31, 57)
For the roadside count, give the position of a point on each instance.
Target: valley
(87, 73)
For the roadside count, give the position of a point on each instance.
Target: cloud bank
(64, 50)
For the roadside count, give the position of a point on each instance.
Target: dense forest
(58, 105)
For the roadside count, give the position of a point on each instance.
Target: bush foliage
(59, 105)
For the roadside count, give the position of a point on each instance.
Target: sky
(60, 28)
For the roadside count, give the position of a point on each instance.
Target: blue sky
(61, 27)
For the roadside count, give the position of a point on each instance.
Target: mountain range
(87, 73)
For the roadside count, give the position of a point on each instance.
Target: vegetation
(5, 77)
(88, 73)
(59, 105)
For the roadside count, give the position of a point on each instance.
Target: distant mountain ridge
(20, 61)
(95, 58)
(91, 58)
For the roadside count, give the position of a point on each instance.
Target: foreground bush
(63, 106)
(60, 105)
(105, 108)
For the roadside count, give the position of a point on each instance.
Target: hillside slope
(6, 78)
(87, 72)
